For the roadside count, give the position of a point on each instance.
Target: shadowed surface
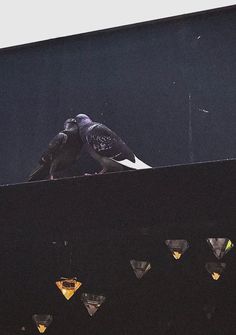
(109, 220)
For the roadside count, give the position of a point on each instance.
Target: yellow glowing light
(41, 328)
(229, 245)
(215, 275)
(68, 286)
(177, 254)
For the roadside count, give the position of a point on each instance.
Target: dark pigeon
(62, 152)
(107, 147)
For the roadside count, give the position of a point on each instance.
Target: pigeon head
(70, 124)
(82, 119)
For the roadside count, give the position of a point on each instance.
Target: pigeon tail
(40, 173)
(137, 165)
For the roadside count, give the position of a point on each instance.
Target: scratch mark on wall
(190, 129)
(203, 110)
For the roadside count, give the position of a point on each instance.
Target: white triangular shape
(92, 302)
(140, 267)
(220, 246)
(177, 247)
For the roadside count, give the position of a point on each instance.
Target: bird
(63, 150)
(106, 147)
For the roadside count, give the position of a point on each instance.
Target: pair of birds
(101, 143)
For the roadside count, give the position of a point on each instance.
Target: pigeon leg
(52, 170)
(104, 170)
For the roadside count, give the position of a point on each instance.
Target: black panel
(108, 220)
(137, 80)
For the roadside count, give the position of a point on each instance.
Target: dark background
(109, 220)
(136, 79)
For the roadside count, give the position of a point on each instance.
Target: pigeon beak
(68, 126)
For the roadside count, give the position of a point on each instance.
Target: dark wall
(109, 220)
(137, 80)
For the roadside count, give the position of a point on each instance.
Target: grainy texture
(137, 80)
(109, 220)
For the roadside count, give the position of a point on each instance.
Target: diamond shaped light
(220, 246)
(215, 269)
(177, 247)
(140, 267)
(92, 302)
(68, 286)
(42, 321)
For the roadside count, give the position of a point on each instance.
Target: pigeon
(107, 147)
(62, 152)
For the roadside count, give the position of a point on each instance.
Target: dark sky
(137, 80)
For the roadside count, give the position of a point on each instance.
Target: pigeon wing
(108, 144)
(54, 147)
